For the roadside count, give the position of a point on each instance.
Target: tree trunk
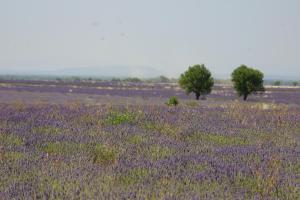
(197, 96)
(245, 96)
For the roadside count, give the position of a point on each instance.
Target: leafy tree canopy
(247, 80)
(197, 79)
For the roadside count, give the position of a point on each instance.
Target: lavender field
(112, 141)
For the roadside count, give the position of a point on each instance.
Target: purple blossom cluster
(72, 151)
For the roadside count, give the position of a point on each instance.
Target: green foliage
(197, 79)
(295, 83)
(104, 155)
(247, 80)
(163, 79)
(136, 139)
(116, 80)
(133, 176)
(52, 148)
(11, 156)
(197, 167)
(133, 80)
(117, 117)
(56, 188)
(218, 139)
(293, 168)
(277, 83)
(46, 130)
(173, 101)
(164, 128)
(205, 188)
(157, 152)
(10, 140)
(62, 148)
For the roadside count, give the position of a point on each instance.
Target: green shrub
(117, 117)
(173, 101)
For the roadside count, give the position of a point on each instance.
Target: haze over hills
(103, 71)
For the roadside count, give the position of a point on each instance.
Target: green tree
(277, 83)
(247, 80)
(133, 80)
(295, 83)
(196, 79)
(163, 79)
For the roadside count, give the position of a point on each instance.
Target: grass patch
(133, 176)
(47, 130)
(218, 139)
(10, 140)
(209, 189)
(99, 153)
(104, 155)
(9, 179)
(56, 188)
(117, 118)
(158, 152)
(88, 119)
(136, 139)
(174, 188)
(63, 148)
(169, 188)
(11, 156)
(293, 168)
(165, 129)
(198, 167)
(248, 183)
(192, 103)
(282, 138)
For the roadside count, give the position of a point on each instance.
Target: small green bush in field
(116, 117)
(104, 155)
(173, 101)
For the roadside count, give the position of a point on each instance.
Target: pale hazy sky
(166, 35)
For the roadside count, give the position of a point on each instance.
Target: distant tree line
(279, 83)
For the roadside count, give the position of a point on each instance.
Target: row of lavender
(276, 95)
(238, 151)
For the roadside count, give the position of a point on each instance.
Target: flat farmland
(111, 140)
